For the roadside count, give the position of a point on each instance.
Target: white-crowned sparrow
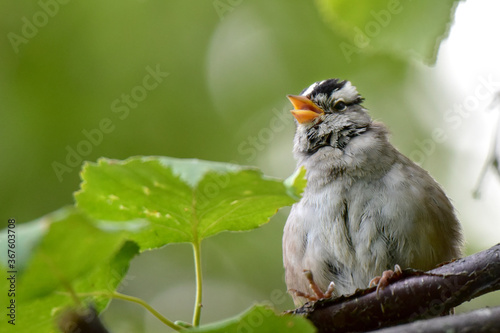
(366, 207)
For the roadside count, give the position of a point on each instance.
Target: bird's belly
(333, 250)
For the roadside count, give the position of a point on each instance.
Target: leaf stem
(137, 301)
(197, 265)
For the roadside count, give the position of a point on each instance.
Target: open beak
(305, 110)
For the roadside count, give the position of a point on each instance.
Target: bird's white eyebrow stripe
(348, 92)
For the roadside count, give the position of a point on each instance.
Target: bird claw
(387, 277)
(317, 291)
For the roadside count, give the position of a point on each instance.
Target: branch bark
(416, 295)
(478, 321)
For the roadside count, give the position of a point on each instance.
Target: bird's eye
(340, 106)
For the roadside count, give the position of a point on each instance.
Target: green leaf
(400, 27)
(32, 233)
(259, 318)
(73, 254)
(296, 183)
(182, 200)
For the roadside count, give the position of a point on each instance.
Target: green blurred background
(224, 70)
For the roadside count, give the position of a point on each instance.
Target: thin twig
(199, 281)
(137, 301)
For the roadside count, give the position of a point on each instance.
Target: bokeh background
(208, 80)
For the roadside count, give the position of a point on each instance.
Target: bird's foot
(317, 291)
(387, 277)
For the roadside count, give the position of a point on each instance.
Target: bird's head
(328, 114)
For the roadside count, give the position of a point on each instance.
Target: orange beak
(305, 110)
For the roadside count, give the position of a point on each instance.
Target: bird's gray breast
(339, 242)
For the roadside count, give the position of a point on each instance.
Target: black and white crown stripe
(328, 91)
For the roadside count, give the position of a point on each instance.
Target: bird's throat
(337, 140)
(319, 142)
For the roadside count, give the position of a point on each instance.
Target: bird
(366, 209)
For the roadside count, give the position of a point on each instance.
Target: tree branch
(416, 295)
(478, 321)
